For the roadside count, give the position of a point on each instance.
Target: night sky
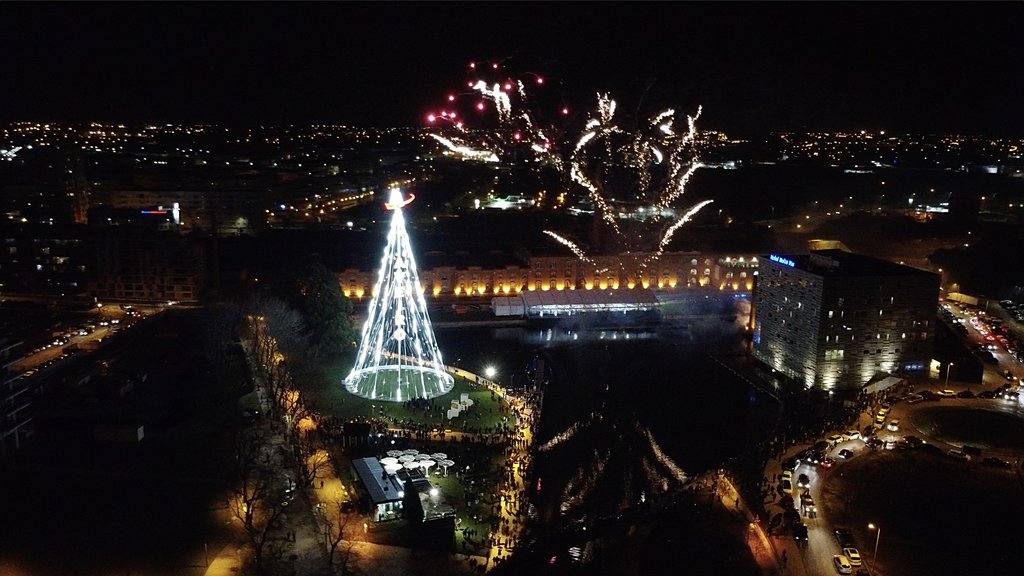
(914, 67)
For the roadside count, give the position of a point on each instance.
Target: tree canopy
(327, 313)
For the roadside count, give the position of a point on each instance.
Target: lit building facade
(833, 319)
(673, 271)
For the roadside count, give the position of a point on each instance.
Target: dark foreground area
(73, 504)
(940, 515)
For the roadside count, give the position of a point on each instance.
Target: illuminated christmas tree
(398, 358)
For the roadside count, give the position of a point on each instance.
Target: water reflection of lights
(567, 434)
(561, 335)
(659, 471)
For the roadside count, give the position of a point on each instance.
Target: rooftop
(833, 263)
(380, 486)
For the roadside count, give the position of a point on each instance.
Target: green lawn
(325, 392)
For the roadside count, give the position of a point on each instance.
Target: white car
(947, 393)
(853, 555)
(842, 564)
(893, 425)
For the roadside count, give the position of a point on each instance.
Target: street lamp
(490, 371)
(878, 536)
(948, 370)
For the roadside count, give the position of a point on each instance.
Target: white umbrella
(422, 457)
(389, 460)
(411, 465)
(439, 456)
(412, 451)
(391, 469)
(406, 458)
(445, 464)
(395, 453)
(426, 464)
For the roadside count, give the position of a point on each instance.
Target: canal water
(626, 409)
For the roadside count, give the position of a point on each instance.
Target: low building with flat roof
(384, 492)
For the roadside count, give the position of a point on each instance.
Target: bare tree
(252, 499)
(338, 525)
(314, 456)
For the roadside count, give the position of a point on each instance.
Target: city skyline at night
(715, 288)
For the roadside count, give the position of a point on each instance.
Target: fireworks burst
(518, 128)
(632, 176)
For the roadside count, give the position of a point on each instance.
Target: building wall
(788, 302)
(154, 267)
(877, 324)
(838, 331)
(226, 212)
(675, 270)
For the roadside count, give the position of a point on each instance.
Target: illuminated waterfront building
(673, 271)
(833, 319)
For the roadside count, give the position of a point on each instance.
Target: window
(834, 354)
(830, 313)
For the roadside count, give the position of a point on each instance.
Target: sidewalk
(767, 550)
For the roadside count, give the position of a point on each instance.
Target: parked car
(959, 454)
(915, 398)
(853, 555)
(946, 393)
(845, 454)
(893, 426)
(807, 505)
(814, 458)
(844, 537)
(804, 455)
(835, 439)
(965, 394)
(995, 462)
(851, 435)
(842, 564)
(987, 394)
(913, 441)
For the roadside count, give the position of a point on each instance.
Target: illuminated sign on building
(781, 260)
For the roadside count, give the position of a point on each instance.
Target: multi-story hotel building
(833, 319)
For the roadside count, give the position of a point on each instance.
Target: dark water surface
(613, 386)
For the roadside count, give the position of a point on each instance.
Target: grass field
(325, 391)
